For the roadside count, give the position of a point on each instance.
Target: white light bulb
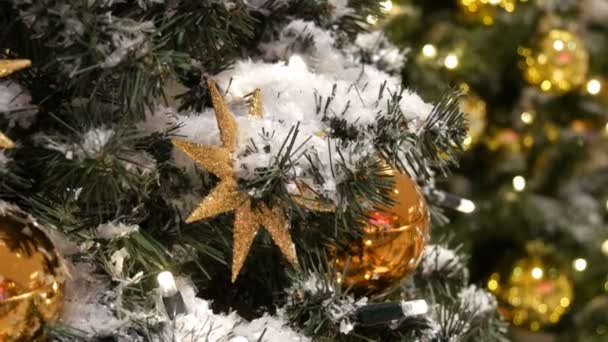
(605, 247)
(387, 6)
(166, 284)
(414, 307)
(537, 272)
(519, 183)
(594, 87)
(429, 51)
(579, 264)
(558, 45)
(527, 118)
(451, 61)
(466, 206)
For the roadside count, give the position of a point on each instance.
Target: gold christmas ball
(535, 290)
(393, 243)
(558, 63)
(484, 11)
(31, 277)
(475, 109)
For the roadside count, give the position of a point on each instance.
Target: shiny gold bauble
(535, 290)
(394, 239)
(475, 109)
(31, 277)
(484, 11)
(557, 63)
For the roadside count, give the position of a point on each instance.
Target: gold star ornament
(7, 67)
(226, 197)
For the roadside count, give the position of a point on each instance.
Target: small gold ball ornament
(484, 11)
(535, 290)
(393, 243)
(558, 63)
(31, 277)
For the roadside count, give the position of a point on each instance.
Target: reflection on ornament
(484, 11)
(504, 138)
(475, 109)
(558, 62)
(393, 242)
(527, 118)
(535, 290)
(31, 277)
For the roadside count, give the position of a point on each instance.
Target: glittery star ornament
(7, 67)
(226, 197)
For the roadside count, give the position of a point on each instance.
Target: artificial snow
(291, 91)
(436, 258)
(477, 300)
(15, 104)
(113, 230)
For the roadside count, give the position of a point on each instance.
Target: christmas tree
(533, 74)
(178, 170)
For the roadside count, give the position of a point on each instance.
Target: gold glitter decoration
(31, 278)
(9, 66)
(5, 142)
(394, 239)
(226, 197)
(534, 290)
(484, 11)
(558, 63)
(255, 107)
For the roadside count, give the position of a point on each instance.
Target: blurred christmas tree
(179, 170)
(534, 78)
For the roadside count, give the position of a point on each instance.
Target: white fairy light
(166, 284)
(579, 264)
(519, 183)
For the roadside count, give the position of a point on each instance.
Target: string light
(605, 247)
(466, 206)
(429, 51)
(579, 264)
(451, 61)
(172, 298)
(527, 118)
(519, 183)
(166, 284)
(414, 307)
(386, 6)
(594, 86)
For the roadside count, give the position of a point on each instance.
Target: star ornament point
(226, 197)
(7, 67)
